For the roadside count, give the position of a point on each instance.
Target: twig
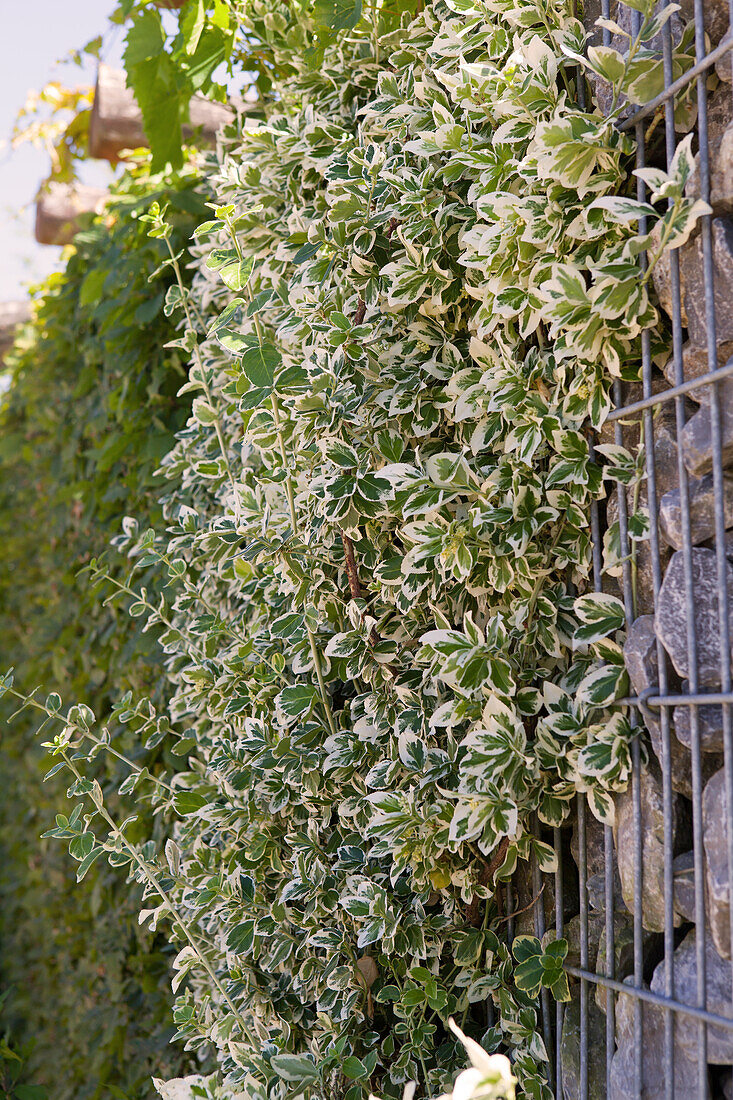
(516, 912)
(352, 571)
(486, 874)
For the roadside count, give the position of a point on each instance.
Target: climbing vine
(389, 672)
(90, 410)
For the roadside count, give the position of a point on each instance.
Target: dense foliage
(386, 665)
(91, 409)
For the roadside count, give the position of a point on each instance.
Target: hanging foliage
(388, 670)
(90, 410)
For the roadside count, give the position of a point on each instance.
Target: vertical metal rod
(638, 917)
(716, 436)
(559, 929)
(539, 931)
(664, 717)
(610, 949)
(689, 593)
(725, 657)
(606, 13)
(583, 884)
(638, 972)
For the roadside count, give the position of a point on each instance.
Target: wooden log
(116, 123)
(58, 208)
(12, 314)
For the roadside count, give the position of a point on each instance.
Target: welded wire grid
(661, 700)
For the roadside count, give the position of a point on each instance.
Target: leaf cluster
(389, 671)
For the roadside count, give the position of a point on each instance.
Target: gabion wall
(646, 906)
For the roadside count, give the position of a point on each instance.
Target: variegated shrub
(421, 277)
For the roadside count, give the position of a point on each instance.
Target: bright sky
(36, 34)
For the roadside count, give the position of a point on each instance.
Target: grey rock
(695, 365)
(709, 726)
(694, 285)
(693, 282)
(724, 63)
(596, 889)
(683, 869)
(727, 545)
(666, 455)
(592, 11)
(721, 169)
(671, 616)
(718, 1000)
(702, 511)
(719, 115)
(716, 15)
(667, 478)
(681, 767)
(623, 952)
(595, 845)
(595, 856)
(652, 845)
(640, 655)
(715, 838)
(697, 434)
(653, 1076)
(570, 1052)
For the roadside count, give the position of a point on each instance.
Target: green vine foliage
(92, 407)
(388, 669)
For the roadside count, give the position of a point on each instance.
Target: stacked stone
(661, 628)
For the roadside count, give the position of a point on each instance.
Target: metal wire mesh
(665, 1029)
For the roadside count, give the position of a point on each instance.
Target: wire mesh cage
(651, 922)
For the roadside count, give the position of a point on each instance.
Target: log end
(12, 315)
(59, 208)
(115, 123)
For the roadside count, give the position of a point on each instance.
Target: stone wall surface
(696, 590)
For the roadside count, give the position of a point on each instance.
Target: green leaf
(305, 252)
(189, 802)
(260, 365)
(600, 614)
(607, 62)
(236, 275)
(337, 15)
(162, 103)
(30, 1092)
(297, 700)
(241, 938)
(87, 862)
(145, 39)
(226, 315)
(353, 1068)
(192, 24)
(296, 1068)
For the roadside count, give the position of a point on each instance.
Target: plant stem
(153, 882)
(28, 700)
